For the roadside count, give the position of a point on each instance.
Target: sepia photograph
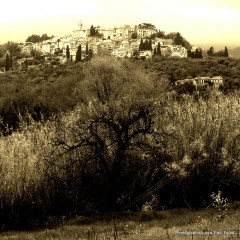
(120, 120)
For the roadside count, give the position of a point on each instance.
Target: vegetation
(85, 145)
(94, 32)
(79, 54)
(224, 53)
(167, 224)
(67, 52)
(34, 38)
(175, 69)
(146, 45)
(7, 63)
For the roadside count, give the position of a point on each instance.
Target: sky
(202, 22)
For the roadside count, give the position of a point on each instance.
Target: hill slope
(235, 52)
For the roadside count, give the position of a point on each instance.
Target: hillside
(106, 148)
(235, 52)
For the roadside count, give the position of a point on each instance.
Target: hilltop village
(124, 41)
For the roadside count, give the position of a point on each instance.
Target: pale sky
(201, 22)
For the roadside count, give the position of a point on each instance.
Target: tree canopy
(34, 38)
(147, 25)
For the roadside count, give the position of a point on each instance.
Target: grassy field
(172, 224)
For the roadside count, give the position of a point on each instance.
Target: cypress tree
(226, 52)
(67, 52)
(200, 53)
(86, 49)
(159, 49)
(141, 45)
(26, 62)
(150, 44)
(197, 53)
(79, 54)
(10, 60)
(92, 31)
(7, 63)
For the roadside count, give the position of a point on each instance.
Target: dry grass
(174, 224)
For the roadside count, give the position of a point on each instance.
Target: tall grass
(22, 189)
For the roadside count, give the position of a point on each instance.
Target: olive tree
(105, 153)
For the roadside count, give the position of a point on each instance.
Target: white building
(178, 51)
(80, 33)
(145, 32)
(122, 52)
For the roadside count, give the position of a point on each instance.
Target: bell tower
(80, 25)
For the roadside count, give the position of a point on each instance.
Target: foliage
(210, 52)
(228, 68)
(179, 40)
(158, 52)
(115, 148)
(93, 31)
(167, 224)
(11, 47)
(34, 38)
(67, 52)
(134, 35)
(221, 204)
(147, 25)
(7, 63)
(196, 54)
(146, 45)
(79, 54)
(41, 92)
(161, 34)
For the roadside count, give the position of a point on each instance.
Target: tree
(189, 53)
(67, 52)
(26, 62)
(86, 49)
(160, 34)
(90, 53)
(178, 39)
(135, 54)
(134, 35)
(200, 55)
(79, 54)
(92, 31)
(34, 38)
(146, 26)
(226, 52)
(36, 54)
(196, 55)
(146, 45)
(150, 44)
(7, 63)
(159, 49)
(104, 147)
(10, 60)
(153, 36)
(141, 45)
(210, 52)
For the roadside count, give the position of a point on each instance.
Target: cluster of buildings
(117, 41)
(215, 81)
